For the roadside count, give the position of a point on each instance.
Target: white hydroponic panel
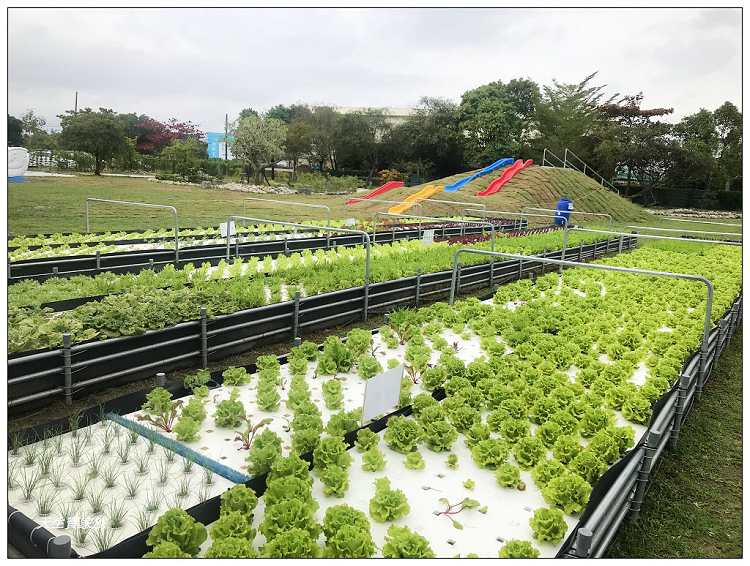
(90, 531)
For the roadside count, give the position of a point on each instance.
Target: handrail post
(67, 370)
(644, 471)
(204, 338)
(679, 411)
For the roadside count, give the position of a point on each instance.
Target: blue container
(563, 210)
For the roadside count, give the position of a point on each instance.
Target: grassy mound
(536, 186)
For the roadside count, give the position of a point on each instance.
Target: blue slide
(453, 187)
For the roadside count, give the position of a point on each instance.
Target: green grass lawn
(57, 204)
(693, 508)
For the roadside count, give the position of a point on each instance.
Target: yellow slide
(417, 197)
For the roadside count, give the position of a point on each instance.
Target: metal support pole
(151, 263)
(295, 319)
(286, 247)
(98, 260)
(679, 411)
(161, 379)
(68, 386)
(652, 441)
(204, 339)
(584, 537)
(565, 244)
(55, 270)
(417, 288)
(619, 245)
(59, 547)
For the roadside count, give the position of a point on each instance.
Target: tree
(98, 133)
(258, 142)
(15, 131)
(633, 137)
(32, 124)
(359, 141)
(280, 112)
(324, 120)
(431, 139)
(245, 112)
(694, 161)
(728, 120)
(298, 142)
(153, 135)
(497, 119)
(184, 155)
(568, 116)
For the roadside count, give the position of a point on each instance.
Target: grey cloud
(197, 64)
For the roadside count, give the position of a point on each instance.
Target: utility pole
(75, 110)
(226, 137)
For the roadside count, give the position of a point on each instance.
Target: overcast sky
(197, 64)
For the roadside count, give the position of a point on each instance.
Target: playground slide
(507, 175)
(390, 185)
(419, 196)
(453, 187)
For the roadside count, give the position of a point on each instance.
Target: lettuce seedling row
(457, 520)
(41, 375)
(133, 262)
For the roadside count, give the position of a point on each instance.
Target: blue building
(216, 145)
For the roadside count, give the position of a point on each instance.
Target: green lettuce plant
(179, 528)
(439, 435)
(333, 394)
(235, 376)
(233, 524)
(402, 542)
(548, 525)
(490, 453)
(290, 466)
(373, 460)
(588, 465)
(335, 480)
(368, 366)
(231, 547)
(594, 420)
(198, 379)
(518, 549)
(528, 451)
(230, 412)
(186, 429)
(402, 434)
(359, 341)
(342, 422)
(289, 487)
(292, 543)
(158, 401)
(166, 549)
(545, 470)
(565, 448)
(548, 433)
(569, 491)
(366, 439)
(414, 461)
(195, 409)
(263, 453)
(508, 475)
(338, 516)
(287, 515)
(476, 433)
(513, 430)
(268, 398)
(637, 409)
(239, 498)
(388, 504)
(331, 451)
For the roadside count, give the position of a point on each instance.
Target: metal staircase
(571, 161)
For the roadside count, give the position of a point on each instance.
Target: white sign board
(382, 393)
(223, 227)
(350, 222)
(428, 236)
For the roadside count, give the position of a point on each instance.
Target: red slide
(390, 185)
(507, 175)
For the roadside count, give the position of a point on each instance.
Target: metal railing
(365, 241)
(525, 215)
(287, 202)
(586, 170)
(362, 199)
(686, 231)
(172, 209)
(572, 212)
(489, 225)
(701, 222)
(547, 163)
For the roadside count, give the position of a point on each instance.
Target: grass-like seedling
(208, 477)
(75, 450)
(44, 502)
(110, 475)
(94, 465)
(81, 536)
(88, 434)
(133, 437)
(169, 455)
(74, 421)
(187, 465)
(153, 500)
(162, 469)
(56, 475)
(132, 485)
(96, 501)
(44, 461)
(15, 443)
(204, 493)
(102, 538)
(107, 439)
(184, 488)
(142, 520)
(116, 429)
(29, 455)
(141, 464)
(29, 480)
(66, 511)
(123, 452)
(175, 503)
(116, 513)
(78, 487)
(12, 481)
(102, 416)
